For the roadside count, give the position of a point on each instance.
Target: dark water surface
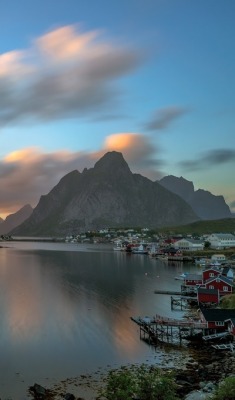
(65, 310)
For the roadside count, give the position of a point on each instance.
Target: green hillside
(222, 225)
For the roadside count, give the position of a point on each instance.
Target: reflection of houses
(221, 240)
(189, 244)
(217, 319)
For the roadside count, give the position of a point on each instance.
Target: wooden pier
(164, 329)
(183, 302)
(167, 292)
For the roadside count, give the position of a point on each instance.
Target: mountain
(13, 220)
(107, 195)
(1, 220)
(206, 205)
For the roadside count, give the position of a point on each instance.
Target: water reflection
(64, 311)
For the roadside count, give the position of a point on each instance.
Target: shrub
(142, 383)
(226, 390)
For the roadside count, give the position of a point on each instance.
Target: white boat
(202, 262)
(181, 277)
(139, 250)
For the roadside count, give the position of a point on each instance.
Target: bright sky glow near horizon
(153, 79)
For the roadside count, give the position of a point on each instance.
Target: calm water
(65, 310)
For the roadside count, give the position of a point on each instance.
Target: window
(211, 274)
(211, 287)
(219, 323)
(225, 288)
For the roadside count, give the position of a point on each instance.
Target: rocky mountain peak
(112, 161)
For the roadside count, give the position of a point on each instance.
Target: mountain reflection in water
(65, 310)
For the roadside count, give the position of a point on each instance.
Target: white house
(189, 244)
(221, 240)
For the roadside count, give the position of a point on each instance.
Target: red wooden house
(223, 284)
(217, 318)
(193, 279)
(210, 272)
(207, 296)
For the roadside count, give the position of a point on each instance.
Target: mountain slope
(206, 205)
(13, 220)
(108, 195)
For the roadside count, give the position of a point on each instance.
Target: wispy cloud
(162, 118)
(29, 173)
(65, 73)
(210, 158)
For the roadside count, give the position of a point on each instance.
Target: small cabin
(218, 257)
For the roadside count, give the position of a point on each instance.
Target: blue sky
(153, 79)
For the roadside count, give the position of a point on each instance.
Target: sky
(153, 79)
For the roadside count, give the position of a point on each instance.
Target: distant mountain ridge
(206, 205)
(107, 195)
(13, 220)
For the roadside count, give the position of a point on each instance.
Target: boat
(119, 247)
(181, 277)
(202, 262)
(139, 250)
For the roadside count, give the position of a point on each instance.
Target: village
(206, 295)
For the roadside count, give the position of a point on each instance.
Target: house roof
(192, 241)
(202, 290)
(193, 277)
(226, 269)
(212, 268)
(217, 314)
(221, 277)
(225, 236)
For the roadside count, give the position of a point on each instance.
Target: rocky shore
(196, 377)
(203, 371)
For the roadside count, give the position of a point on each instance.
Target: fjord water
(65, 310)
